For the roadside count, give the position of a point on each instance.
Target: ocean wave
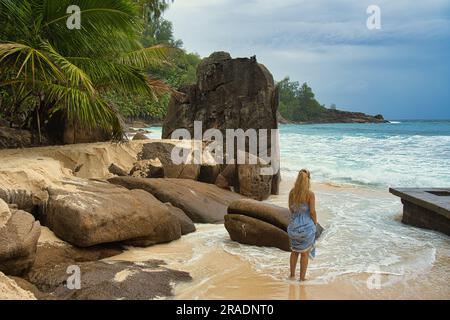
(371, 160)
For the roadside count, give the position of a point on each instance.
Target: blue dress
(302, 230)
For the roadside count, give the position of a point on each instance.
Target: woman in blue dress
(302, 227)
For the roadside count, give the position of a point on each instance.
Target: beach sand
(222, 269)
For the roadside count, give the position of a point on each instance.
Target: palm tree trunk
(38, 119)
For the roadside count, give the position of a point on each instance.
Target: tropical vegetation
(299, 103)
(91, 75)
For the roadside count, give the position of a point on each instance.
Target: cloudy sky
(401, 71)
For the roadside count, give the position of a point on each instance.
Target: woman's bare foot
(291, 277)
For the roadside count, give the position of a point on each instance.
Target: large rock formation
(109, 280)
(155, 161)
(14, 138)
(229, 94)
(23, 199)
(323, 115)
(62, 130)
(19, 234)
(94, 212)
(102, 275)
(203, 203)
(100, 279)
(256, 223)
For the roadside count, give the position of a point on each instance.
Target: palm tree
(56, 69)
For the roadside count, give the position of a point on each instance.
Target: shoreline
(222, 269)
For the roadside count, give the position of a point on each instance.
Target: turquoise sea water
(401, 153)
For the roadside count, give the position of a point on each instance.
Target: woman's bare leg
(294, 260)
(303, 265)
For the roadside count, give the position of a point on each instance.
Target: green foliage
(180, 71)
(49, 68)
(152, 10)
(298, 103)
(138, 107)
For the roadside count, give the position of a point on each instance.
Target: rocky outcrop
(140, 136)
(109, 280)
(102, 276)
(256, 223)
(148, 169)
(62, 130)
(14, 138)
(5, 213)
(252, 184)
(186, 224)
(116, 170)
(229, 94)
(203, 203)
(165, 231)
(339, 116)
(19, 234)
(159, 154)
(247, 179)
(23, 199)
(251, 231)
(209, 173)
(86, 213)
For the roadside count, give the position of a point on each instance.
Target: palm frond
(29, 61)
(154, 56)
(74, 75)
(111, 75)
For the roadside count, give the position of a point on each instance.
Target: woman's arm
(312, 207)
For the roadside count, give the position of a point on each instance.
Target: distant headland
(299, 105)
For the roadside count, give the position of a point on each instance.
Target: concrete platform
(425, 208)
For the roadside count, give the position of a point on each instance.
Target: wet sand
(221, 269)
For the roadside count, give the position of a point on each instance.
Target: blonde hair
(300, 194)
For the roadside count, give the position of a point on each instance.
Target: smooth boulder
(140, 136)
(187, 225)
(165, 232)
(202, 202)
(88, 212)
(251, 231)
(18, 241)
(109, 280)
(270, 213)
(261, 224)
